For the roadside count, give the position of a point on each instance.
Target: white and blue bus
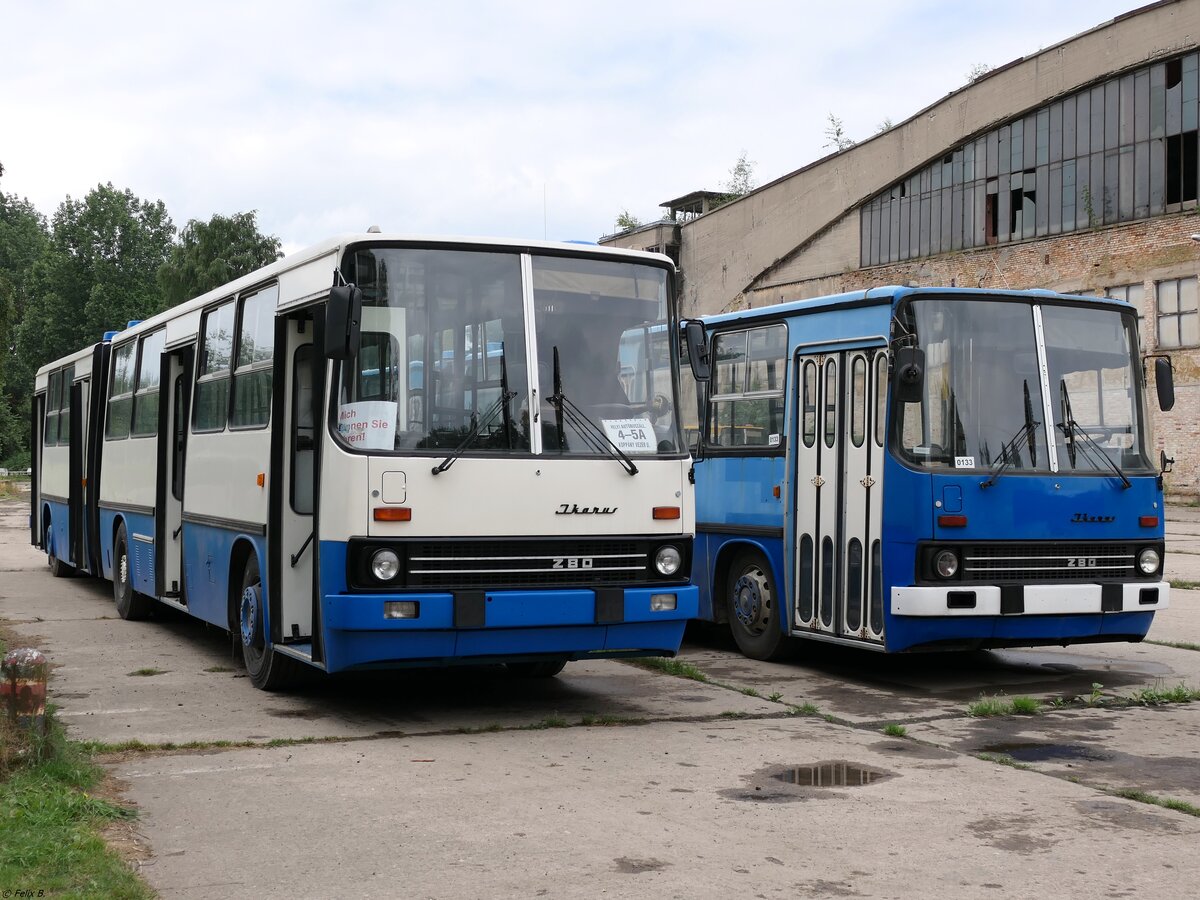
(383, 451)
(907, 469)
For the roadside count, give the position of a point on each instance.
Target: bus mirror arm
(343, 322)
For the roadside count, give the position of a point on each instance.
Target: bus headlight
(668, 560)
(385, 565)
(946, 564)
(1149, 561)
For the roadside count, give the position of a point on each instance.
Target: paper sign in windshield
(631, 435)
(368, 424)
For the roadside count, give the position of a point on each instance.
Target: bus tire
(754, 608)
(268, 670)
(58, 568)
(545, 669)
(131, 605)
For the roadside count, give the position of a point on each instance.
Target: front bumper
(1031, 600)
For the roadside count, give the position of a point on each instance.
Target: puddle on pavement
(1038, 752)
(830, 774)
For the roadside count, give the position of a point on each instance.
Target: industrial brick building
(1074, 169)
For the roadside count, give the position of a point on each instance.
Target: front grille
(527, 562)
(1050, 562)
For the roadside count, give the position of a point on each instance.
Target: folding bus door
(839, 464)
(75, 478)
(174, 400)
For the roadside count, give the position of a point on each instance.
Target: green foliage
(675, 667)
(49, 824)
(986, 707)
(895, 730)
(741, 177)
(627, 221)
(835, 134)
(213, 253)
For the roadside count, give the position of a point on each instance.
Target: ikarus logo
(574, 509)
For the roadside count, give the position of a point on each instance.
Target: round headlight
(385, 565)
(668, 560)
(946, 564)
(1148, 561)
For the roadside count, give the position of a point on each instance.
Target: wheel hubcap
(251, 621)
(123, 567)
(752, 600)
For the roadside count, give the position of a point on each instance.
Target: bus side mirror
(1164, 381)
(343, 322)
(698, 350)
(909, 370)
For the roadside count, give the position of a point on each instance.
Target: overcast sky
(523, 119)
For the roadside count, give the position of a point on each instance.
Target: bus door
(75, 477)
(298, 368)
(175, 391)
(839, 464)
(37, 435)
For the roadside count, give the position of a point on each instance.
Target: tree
(885, 125)
(835, 134)
(977, 71)
(212, 253)
(741, 177)
(626, 221)
(95, 273)
(23, 238)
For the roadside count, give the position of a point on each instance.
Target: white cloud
(468, 118)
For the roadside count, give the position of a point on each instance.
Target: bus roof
(338, 243)
(878, 296)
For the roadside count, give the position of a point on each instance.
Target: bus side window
(53, 393)
(120, 403)
(747, 402)
(809, 393)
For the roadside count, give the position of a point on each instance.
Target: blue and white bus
(927, 468)
(382, 451)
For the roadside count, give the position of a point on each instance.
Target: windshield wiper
(478, 423)
(1008, 452)
(592, 434)
(1072, 430)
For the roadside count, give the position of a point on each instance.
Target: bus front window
(442, 331)
(982, 401)
(606, 322)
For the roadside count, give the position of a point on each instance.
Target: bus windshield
(984, 403)
(446, 352)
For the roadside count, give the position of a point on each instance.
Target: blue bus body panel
(518, 623)
(739, 491)
(60, 529)
(207, 552)
(138, 527)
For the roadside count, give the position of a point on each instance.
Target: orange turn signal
(952, 521)
(1148, 521)
(666, 512)
(393, 514)
(262, 478)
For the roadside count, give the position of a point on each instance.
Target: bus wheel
(268, 670)
(58, 568)
(754, 608)
(547, 669)
(130, 604)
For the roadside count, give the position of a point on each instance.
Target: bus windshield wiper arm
(1072, 430)
(593, 435)
(500, 406)
(1027, 432)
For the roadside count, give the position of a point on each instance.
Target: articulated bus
(920, 469)
(385, 451)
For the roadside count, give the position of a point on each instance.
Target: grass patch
(146, 672)
(50, 823)
(1166, 802)
(805, 709)
(609, 721)
(1001, 759)
(751, 692)
(676, 667)
(218, 669)
(775, 697)
(1159, 696)
(734, 714)
(895, 731)
(1183, 585)
(987, 707)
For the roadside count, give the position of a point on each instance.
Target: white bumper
(1040, 599)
